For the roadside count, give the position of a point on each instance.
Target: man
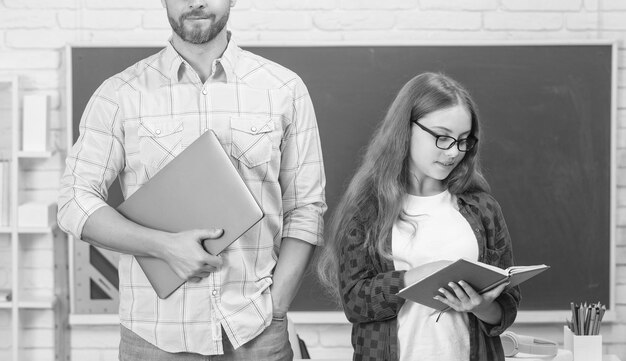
(139, 120)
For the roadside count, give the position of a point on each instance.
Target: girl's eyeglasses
(446, 142)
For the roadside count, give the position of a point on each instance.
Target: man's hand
(185, 255)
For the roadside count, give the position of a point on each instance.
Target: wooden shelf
(36, 302)
(34, 155)
(27, 230)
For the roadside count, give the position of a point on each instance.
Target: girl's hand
(466, 299)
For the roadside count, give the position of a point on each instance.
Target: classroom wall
(33, 34)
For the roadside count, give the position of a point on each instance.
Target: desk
(525, 358)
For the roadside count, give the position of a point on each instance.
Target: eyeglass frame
(455, 141)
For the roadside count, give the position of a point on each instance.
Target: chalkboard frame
(330, 317)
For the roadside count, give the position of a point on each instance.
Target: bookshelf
(35, 258)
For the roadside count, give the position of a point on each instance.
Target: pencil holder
(584, 348)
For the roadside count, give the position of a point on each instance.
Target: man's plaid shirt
(140, 119)
(369, 285)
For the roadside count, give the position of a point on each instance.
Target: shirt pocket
(160, 141)
(251, 140)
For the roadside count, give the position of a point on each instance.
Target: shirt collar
(228, 61)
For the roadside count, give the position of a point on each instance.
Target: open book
(482, 277)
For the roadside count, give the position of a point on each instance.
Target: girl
(418, 202)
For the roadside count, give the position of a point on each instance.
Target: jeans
(271, 345)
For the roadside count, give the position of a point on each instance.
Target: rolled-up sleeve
(93, 162)
(302, 177)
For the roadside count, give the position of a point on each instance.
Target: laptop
(200, 188)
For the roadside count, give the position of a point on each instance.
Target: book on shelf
(481, 276)
(5, 194)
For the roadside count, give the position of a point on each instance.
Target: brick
(542, 5)
(29, 59)
(613, 20)
(48, 39)
(152, 36)
(592, 5)
(618, 36)
(41, 4)
(242, 5)
(620, 238)
(621, 197)
(439, 20)
(301, 36)
(100, 19)
(155, 20)
(612, 5)
(361, 20)
(621, 118)
(582, 21)
(621, 176)
(621, 138)
(377, 4)
(621, 58)
(294, 5)
(523, 21)
(620, 298)
(459, 5)
(21, 19)
(275, 20)
(620, 275)
(620, 255)
(122, 4)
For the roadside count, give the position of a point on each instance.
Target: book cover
(482, 277)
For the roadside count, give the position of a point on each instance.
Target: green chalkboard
(546, 112)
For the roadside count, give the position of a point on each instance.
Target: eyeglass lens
(445, 142)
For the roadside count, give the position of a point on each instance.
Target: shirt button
(204, 91)
(206, 129)
(214, 292)
(253, 129)
(158, 131)
(477, 230)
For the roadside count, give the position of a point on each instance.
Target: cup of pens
(581, 335)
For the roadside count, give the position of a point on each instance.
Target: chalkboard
(546, 115)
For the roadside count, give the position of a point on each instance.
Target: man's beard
(195, 34)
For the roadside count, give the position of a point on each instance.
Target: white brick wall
(34, 32)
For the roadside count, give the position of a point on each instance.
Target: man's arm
(302, 180)
(294, 257)
(182, 251)
(93, 163)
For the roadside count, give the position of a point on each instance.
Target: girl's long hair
(375, 194)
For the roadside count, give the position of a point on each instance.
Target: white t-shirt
(442, 234)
